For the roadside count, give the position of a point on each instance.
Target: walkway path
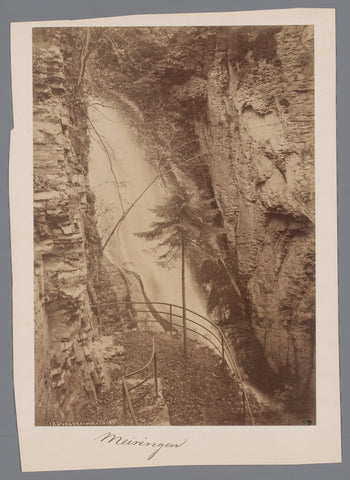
(198, 390)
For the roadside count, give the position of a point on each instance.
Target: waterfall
(134, 173)
(124, 249)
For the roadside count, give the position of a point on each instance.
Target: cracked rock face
(261, 134)
(67, 370)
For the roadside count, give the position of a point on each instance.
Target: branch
(231, 277)
(117, 225)
(109, 159)
(93, 105)
(83, 57)
(127, 211)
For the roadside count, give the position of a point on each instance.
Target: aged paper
(174, 240)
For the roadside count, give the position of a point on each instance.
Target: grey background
(31, 10)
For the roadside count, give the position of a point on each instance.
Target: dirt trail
(198, 390)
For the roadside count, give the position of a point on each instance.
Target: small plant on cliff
(222, 298)
(180, 231)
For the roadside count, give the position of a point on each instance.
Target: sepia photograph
(174, 225)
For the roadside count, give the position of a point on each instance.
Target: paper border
(70, 448)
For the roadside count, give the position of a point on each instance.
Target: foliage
(222, 296)
(183, 221)
(287, 391)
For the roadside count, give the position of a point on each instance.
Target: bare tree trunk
(183, 295)
(83, 58)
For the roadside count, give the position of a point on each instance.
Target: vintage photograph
(174, 225)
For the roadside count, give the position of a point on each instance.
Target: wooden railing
(127, 401)
(200, 326)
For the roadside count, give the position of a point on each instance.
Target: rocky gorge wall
(69, 365)
(260, 132)
(240, 103)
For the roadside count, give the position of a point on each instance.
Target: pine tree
(184, 224)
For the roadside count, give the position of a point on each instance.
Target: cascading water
(126, 164)
(116, 155)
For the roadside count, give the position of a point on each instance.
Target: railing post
(155, 374)
(171, 318)
(124, 401)
(222, 348)
(243, 407)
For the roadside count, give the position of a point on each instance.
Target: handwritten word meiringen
(132, 442)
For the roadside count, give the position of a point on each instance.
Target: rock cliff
(259, 131)
(68, 367)
(231, 109)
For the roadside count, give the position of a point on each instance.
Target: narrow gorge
(128, 121)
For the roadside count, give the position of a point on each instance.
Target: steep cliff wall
(231, 110)
(259, 129)
(68, 367)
